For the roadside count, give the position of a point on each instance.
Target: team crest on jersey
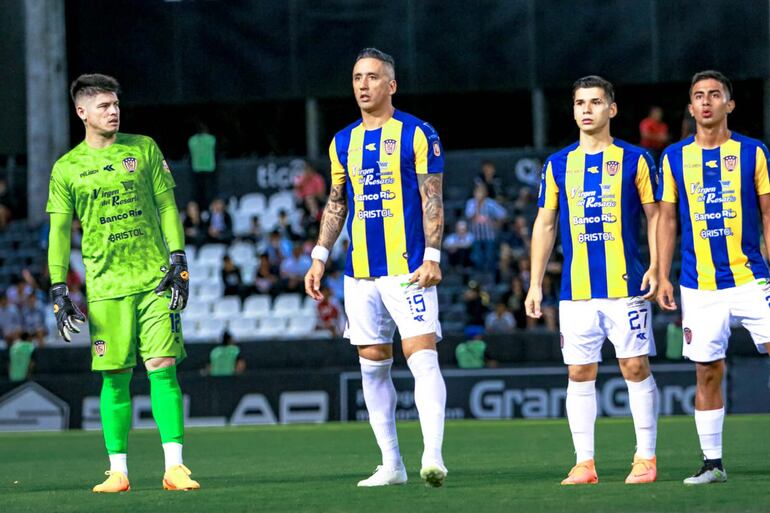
(130, 164)
(389, 145)
(436, 149)
(687, 335)
(612, 167)
(730, 162)
(100, 347)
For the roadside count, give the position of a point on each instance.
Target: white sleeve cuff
(432, 254)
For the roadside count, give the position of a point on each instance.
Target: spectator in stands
(517, 236)
(10, 320)
(329, 311)
(293, 269)
(488, 176)
(202, 146)
(231, 277)
(471, 354)
(459, 245)
(310, 191)
(500, 320)
(225, 359)
(266, 277)
(255, 231)
(514, 298)
(220, 224)
(6, 204)
(485, 216)
(285, 228)
(21, 360)
(525, 203)
(194, 228)
(19, 291)
(653, 132)
(688, 124)
(33, 319)
(476, 301)
(278, 248)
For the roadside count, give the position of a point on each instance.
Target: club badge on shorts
(100, 347)
(687, 335)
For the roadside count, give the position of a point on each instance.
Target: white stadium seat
(209, 330)
(210, 290)
(196, 310)
(282, 201)
(211, 255)
(256, 307)
(252, 204)
(242, 253)
(229, 307)
(243, 329)
(287, 305)
(271, 327)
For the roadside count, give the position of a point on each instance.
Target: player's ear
(613, 110)
(392, 86)
(730, 106)
(81, 112)
(689, 109)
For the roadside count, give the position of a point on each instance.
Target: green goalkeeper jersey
(112, 191)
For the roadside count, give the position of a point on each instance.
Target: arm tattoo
(432, 209)
(333, 218)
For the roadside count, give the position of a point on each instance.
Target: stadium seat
(256, 307)
(210, 290)
(242, 253)
(252, 204)
(227, 308)
(287, 305)
(301, 326)
(248, 272)
(211, 255)
(282, 201)
(243, 329)
(209, 330)
(271, 327)
(196, 310)
(190, 252)
(241, 223)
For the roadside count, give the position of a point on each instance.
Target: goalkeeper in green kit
(121, 189)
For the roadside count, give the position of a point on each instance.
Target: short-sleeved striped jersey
(379, 168)
(717, 192)
(599, 197)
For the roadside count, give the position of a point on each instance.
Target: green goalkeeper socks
(167, 406)
(115, 408)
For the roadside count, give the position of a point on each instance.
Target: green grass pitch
(511, 466)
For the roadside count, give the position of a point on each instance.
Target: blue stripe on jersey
(597, 259)
(629, 209)
(375, 231)
(750, 219)
(689, 275)
(712, 180)
(414, 230)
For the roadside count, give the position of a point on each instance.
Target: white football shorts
(376, 306)
(707, 314)
(585, 324)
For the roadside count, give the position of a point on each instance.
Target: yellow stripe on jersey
(420, 146)
(692, 155)
(338, 172)
(574, 184)
(670, 192)
(614, 250)
(551, 190)
(761, 180)
(358, 228)
(643, 183)
(395, 232)
(734, 221)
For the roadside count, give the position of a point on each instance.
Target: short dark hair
(595, 81)
(374, 53)
(713, 74)
(93, 84)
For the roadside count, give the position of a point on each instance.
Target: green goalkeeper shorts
(139, 323)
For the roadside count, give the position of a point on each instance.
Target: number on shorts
(418, 303)
(637, 319)
(176, 322)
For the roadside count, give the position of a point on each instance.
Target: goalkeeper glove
(67, 314)
(177, 279)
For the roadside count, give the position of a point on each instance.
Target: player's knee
(635, 369)
(709, 374)
(377, 352)
(159, 363)
(580, 373)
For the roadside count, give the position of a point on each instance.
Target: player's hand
(67, 314)
(650, 279)
(665, 297)
(427, 275)
(532, 303)
(177, 279)
(313, 279)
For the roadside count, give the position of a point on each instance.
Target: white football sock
(709, 425)
(380, 398)
(430, 399)
(118, 463)
(172, 452)
(581, 413)
(643, 399)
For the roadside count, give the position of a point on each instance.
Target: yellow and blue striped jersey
(599, 198)
(717, 193)
(379, 169)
